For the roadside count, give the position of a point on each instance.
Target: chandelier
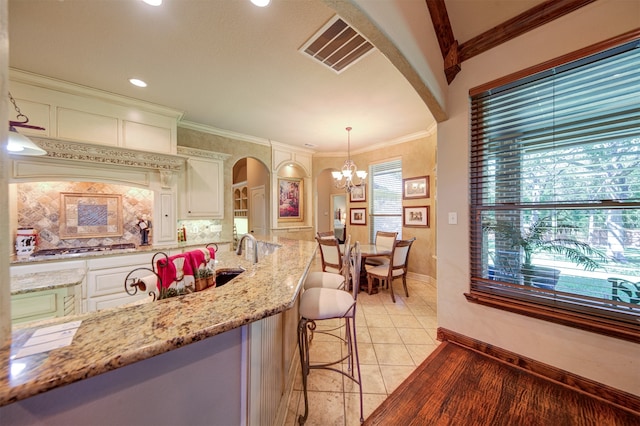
(18, 143)
(350, 176)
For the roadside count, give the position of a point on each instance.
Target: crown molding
(224, 133)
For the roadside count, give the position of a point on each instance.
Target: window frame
(501, 297)
(371, 189)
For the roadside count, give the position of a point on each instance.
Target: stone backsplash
(38, 207)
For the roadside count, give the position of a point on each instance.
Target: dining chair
(334, 278)
(325, 234)
(384, 241)
(396, 268)
(318, 304)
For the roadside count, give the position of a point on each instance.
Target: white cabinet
(202, 185)
(105, 280)
(44, 304)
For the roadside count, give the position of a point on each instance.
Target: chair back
(354, 265)
(385, 240)
(330, 254)
(326, 234)
(400, 253)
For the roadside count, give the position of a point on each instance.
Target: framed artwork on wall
(358, 193)
(416, 187)
(358, 216)
(290, 199)
(90, 215)
(415, 217)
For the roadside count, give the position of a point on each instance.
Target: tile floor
(393, 339)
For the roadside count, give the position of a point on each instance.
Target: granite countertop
(38, 281)
(113, 338)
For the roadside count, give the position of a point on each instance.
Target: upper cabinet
(76, 113)
(202, 184)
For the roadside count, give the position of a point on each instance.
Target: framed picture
(358, 193)
(90, 215)
(415, 217)
(417, 187)
(290, 198)
(358, 216)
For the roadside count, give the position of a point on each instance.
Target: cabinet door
(167, 231)
(204, 192)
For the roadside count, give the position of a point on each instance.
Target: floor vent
(337, 45)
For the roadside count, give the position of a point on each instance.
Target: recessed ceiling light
(261, 3)
(137, 82)
(153, 2)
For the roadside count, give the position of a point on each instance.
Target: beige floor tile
(415, 336)
(430, 322)
(420, 352)
(362, 333)
(321, 380)
(291, 418)
(384, 335)
(422, 310)
(370, 310)
(325, 409)
(378, 320)
(371, 381)
(398, 308)
(367, 354)
(352, 406)
(393, 375)
(405, 321)
(389, 354)
(325, 351)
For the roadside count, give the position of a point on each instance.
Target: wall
(606, 360)
(418, 159)
(5, 294)
(238, 149)
(38, 207)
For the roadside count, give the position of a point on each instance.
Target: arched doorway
(250, 196)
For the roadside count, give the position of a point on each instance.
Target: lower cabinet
(105, 280)
(45, 304)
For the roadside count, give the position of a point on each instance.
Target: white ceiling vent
(337, 45)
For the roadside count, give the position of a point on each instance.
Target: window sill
(582, 321)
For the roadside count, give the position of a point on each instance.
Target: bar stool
(317, 304)
(329, 278)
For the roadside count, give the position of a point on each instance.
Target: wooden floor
(459, 386)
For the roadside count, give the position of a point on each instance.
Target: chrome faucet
(255, 246)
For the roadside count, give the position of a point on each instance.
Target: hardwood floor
(459, 386)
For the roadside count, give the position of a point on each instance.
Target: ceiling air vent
(337, 45)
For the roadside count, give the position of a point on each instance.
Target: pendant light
(20, 144)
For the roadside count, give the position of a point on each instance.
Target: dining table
(367, 251)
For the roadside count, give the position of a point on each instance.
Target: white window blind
(386, 197)
(555, 194)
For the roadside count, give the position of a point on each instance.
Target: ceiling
(232, 66)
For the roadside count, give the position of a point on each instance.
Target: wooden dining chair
(328, 278)
(384, 241)
(396, 268)
(325, 234)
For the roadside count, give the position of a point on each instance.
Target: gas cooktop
(81, 250)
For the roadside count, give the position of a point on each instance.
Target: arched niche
(250, 196)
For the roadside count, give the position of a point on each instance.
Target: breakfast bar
(174, 360)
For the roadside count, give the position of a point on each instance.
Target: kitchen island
(187, 359)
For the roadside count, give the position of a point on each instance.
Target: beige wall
(418, 159)
(238, 149)
(5, 292)
(607, 360)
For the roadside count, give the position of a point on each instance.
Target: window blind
(386, 197)
(555, 193)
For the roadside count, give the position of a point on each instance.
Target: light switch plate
(453, 218)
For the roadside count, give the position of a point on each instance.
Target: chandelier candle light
(347, 177)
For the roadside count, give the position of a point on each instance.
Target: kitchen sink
(224, 275)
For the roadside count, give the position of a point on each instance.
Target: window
(555, 193)
(386, 197)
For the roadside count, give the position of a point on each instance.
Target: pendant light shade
(20, 144)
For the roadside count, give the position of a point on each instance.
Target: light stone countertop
(117, 337)
(38, 281)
